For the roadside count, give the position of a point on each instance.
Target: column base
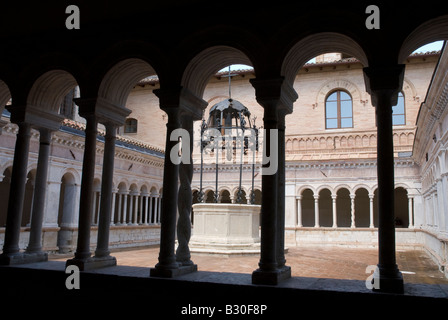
(271, 277)
(390, 284)
(23, 257)
(92, 262)
(161, 272)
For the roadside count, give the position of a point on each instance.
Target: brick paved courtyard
(318, 262)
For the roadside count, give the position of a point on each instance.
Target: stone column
(140, 217)
(102, 250)
(131, 207)
(147, 216)
(185, 196)
(352, 210)
(335, 214)
(16, 195)
(125, 208)
(371, 196)
(40, 191)
(167, 265)
(119, 207)
(281, 190)
(82, 253)
(383, 84)
(299, 211)
(316, 211)
(276, 97)
(411, 211)
(112, 209)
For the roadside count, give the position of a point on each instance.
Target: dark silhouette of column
(173, 102)
(185, 197)
(276, 98)
(281, 191)
(384, 84)
(16, 195)
(82, 253)
(102, 251)
(40, 191)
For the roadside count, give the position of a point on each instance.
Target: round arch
(316, 44)
(429, 31)
(5, 95)
(206, 63)
(49, 89)
(119, 80)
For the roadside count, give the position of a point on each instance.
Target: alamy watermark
(228, 146)
(373, 280)
(73, 20)
(73, 280)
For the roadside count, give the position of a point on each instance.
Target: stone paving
(318, 262)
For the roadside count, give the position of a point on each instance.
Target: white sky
(429, 47)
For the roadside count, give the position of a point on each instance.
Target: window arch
(130, 125)
(338, 110)
(398, 111)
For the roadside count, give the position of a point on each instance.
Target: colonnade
(276, 96)
(367, 212)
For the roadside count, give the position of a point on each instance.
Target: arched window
(398, 112)
(130, 126)
(338, 110)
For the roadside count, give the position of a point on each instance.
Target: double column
(11, 254)
(276, 97)
(384, 84)
(25, 118)
(95, 111)
(182, 107)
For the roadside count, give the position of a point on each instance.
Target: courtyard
(314, 262)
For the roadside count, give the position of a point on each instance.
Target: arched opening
(225, 197)
(307, 204)
(325, 208)
(154, 205)
(362, 208)
(121, 204)
(67, 212)
(243, 197)
(133, 204)
(209, 196)
(4, 195)
(257, 197)
(343, 208)
(401, 208)
(96, 201)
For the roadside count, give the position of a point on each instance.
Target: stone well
(226, 228)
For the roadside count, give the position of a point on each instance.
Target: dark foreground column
(11, 253)
(102, 253)
(185, 197)
(271, 94)
(168, 267)
(34, 249)
(82, 254)
(384, 84)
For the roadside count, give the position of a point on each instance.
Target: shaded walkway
(316, 262)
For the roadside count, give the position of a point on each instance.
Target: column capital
(182, 100)
(274, 92)
(384, 80)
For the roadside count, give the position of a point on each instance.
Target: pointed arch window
(338, 110)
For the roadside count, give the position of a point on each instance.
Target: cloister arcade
(38, 80)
